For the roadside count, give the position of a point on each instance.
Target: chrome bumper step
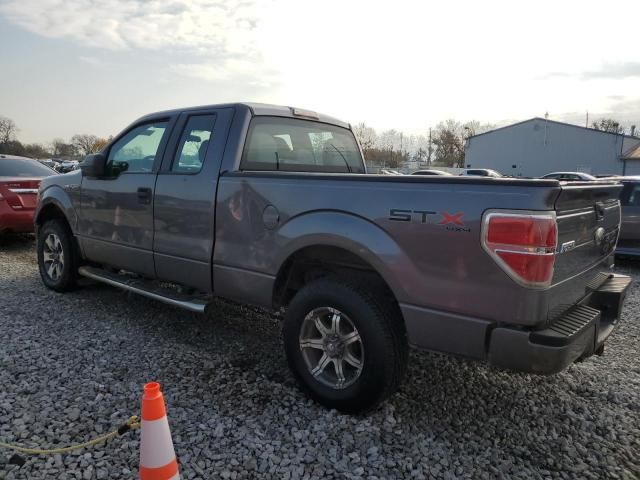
(146, 288)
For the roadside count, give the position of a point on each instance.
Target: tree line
(76, 148)
(442, 145)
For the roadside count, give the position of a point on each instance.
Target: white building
(538, 146)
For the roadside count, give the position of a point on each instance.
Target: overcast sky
(89, 66)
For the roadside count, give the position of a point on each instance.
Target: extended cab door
(116, 211)
(184, 212)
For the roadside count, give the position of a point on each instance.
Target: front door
(115, 225)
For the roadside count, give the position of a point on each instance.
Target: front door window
(136, 151)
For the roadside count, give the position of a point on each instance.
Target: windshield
(23, 167)
(297, 145)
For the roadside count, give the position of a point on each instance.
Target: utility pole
(429, 150)
(587, 122)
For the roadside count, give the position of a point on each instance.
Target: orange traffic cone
(157, 457)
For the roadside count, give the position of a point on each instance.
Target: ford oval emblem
(598, 236)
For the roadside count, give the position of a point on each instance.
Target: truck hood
(72, 178)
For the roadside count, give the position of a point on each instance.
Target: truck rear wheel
(347, 349)
(57, 256)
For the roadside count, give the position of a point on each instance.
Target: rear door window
(193, 144)
(295, 145)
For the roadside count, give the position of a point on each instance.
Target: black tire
(65, 278)
(383, 342)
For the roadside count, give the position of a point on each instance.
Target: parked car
(629, 241)
(570, 176)
(19, 181)
(430, 172)
(389, 171)
(481, 172)
(47, 162)
(66, 166)
(278, 211)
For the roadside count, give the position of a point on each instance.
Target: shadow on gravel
(11, 242)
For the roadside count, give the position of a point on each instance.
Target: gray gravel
(72, 366)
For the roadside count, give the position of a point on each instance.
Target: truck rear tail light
(523, 244)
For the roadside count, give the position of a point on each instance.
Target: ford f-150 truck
(273, 206)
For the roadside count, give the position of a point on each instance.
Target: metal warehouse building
(538, 146)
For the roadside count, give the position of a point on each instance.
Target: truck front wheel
(346, 348)
(57, 256)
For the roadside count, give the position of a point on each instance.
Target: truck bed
(429, 259)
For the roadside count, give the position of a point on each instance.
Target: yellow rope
(131, 424)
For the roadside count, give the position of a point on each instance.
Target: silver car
(570, 176)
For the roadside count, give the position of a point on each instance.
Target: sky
(91, 66)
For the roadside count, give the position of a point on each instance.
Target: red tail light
(19, 194)
(523, 244)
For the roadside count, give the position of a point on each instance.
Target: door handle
(144, 195)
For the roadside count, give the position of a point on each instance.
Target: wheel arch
(54, 203)
(336, 243)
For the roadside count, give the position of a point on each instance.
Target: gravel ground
(72, 367)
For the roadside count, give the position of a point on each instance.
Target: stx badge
(452, 221)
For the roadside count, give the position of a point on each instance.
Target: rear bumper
(16, 221)
(579, 333)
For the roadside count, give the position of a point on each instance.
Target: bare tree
(85, 144)
(448, 138)
(61, 149)
(608, 125)
(8, 130)
(366, 136)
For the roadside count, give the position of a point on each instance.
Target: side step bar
(145, 288)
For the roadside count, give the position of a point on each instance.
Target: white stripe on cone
(156, 446)
(175, 477)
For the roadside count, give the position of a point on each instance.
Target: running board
(145, 288)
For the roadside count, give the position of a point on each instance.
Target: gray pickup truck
(273, 206)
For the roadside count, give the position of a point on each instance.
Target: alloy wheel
(331, 347)
(53, 257)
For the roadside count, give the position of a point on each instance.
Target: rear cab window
(296, 145)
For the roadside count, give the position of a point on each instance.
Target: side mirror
(93, 165)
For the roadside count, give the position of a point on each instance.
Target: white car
(481, 172)
(431, 172)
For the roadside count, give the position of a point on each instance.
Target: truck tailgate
(588, 216)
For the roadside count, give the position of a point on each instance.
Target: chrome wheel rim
(53, 257)
(331, 347)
